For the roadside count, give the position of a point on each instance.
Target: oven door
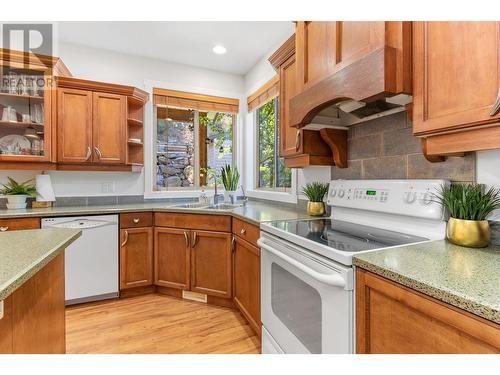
(307, 300)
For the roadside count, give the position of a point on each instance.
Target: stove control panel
(403, 197)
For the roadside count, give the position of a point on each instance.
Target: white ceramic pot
(16, 202)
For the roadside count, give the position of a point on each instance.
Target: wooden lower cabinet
(172, 258)
(394, 319)
(246, 281)
(211, 263)
(136, 257)
(19, 224)
(34, 315)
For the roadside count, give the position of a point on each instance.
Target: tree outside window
(271, 170)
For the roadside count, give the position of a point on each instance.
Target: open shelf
(135, 122)
(18, 123)
(20, 96)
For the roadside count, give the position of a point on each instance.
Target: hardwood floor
(156, 324)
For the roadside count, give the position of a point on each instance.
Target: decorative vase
(230, 196)
(315, 208)
(468, 233)
(16, 202)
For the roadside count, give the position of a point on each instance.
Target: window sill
(278, 196)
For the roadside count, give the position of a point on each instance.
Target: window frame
(256, 182)
(196, 167)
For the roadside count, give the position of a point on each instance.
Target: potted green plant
(315, 192)
(230, 178)
(469, 205)
(16, 193)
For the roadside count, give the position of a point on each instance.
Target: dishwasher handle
(82, 224)
(332, 280)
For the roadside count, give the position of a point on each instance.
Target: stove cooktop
(345, 236)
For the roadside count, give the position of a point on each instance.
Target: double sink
(219, 206)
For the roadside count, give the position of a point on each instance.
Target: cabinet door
(109, 128)
(456, 74)
(211, 263)
(393, 319)
(172, 258)
(289, 136)
(246, 281)
(74, 121)
(136, 257)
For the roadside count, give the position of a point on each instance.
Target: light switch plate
(1, 309)
(108, 187)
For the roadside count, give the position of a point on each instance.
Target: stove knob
(341, 193)
(410, 197)
(333, 192)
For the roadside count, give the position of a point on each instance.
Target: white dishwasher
(91, 262)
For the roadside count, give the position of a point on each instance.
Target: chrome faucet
(216, 196)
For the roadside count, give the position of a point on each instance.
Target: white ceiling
(187, 43)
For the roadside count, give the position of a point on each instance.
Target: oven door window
(298, 306)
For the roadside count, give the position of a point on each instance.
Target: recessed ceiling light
(219, 50)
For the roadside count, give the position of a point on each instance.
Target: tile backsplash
(385, 148)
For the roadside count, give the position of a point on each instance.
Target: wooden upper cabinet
(109, 128)
(456, 75)
(172, 258)
(338, 60)
(74, 126)
(211, 264)
(136, 257)
(326, 47)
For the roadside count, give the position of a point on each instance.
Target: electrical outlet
(108, 187)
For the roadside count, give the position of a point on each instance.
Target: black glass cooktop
(345, 236)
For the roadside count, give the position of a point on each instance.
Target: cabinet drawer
(18, 224)
(136, 220)
(220, 223)
(246, 231)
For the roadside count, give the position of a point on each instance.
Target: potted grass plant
(469, 205)
(230, 178)
(315, 192)
(16, 193)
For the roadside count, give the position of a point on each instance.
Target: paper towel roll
(44, 188)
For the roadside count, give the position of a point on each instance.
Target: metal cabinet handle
(136, 220)
(297, 141)
(233, 241)
(4, 229)
(89, 154)
(243, 231)
(98, 153)
(186, 237)
(126, 238)
(496, 106)
(194, 240)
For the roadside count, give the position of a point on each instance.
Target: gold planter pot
(469, 233)
(316, 208)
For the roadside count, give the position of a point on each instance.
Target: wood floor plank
(157, 324)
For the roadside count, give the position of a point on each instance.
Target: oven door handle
(333, 280)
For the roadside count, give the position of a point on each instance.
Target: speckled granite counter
(254, 211)
(24, 253)
(463, 277)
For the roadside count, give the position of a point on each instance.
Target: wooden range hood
(361, 61)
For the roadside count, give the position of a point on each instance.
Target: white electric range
(307, 278)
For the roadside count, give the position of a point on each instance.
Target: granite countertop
(463, 277)
(24, 253)
(253, 211)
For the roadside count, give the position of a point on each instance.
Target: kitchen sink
(224, 206)
(193, 205)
